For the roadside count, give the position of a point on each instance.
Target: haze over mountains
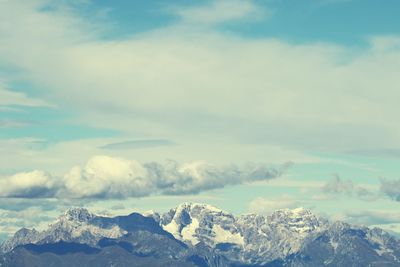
(194, 234)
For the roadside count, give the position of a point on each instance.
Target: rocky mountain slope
(195, 234)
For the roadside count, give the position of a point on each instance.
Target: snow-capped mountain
(194, 223)
(201, 234)
(75, 225)
(252, 238)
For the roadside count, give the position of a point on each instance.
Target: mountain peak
(78, 214)
(290, 235)
(199, 206)
(296, 214)
(299, 220)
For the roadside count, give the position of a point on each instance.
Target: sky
(251, 106)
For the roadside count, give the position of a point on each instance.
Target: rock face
(195, 234)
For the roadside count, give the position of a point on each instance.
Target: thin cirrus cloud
(217, 12)
(109, 177)
(385, 153)
(372, 217)
(10, 98)
(137, 144)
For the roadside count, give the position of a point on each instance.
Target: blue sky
(211, 92)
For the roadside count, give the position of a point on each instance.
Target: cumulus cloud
(110, 177)
(28, 184)
(391, 188)
(104, 176)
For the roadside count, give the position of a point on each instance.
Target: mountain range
(194, 234)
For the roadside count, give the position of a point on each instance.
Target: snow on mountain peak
(299, 220)
(198, 206)
(196, 222)
(251, 238)
(78, 214)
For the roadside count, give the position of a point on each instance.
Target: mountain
(194, 234)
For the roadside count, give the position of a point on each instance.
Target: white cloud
(11, 98)
(110, 177)
(220, 11)
(208, 87)
(28, 185)
(388, 43)
(13, 123)
(368, 217)
(262, 205)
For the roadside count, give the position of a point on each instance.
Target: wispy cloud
(338, 186)
(385, 153)
(11, 98)
(216, 12)
(14, 123)
(368, 217)
(265, 205)
(391, 188)
(271, 79)
(137, 144)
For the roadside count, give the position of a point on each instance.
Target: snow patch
(114, 232)
(188, 233)
(172, 228)
(224, 236)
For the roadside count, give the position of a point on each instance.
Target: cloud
(14, 123)
(11, 98)
(369, 217)
(365, 194)
(104, 177)
(20, 204)
(194, 177)
(13, 220)
(28, 185)
(391, 188)
(337, 186)
(386, 43)
(262, 205)
(110, 177)
(137, 144)
(216, 12)
(385, 153)
(177, 83)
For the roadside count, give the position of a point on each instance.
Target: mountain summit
(194, 234)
